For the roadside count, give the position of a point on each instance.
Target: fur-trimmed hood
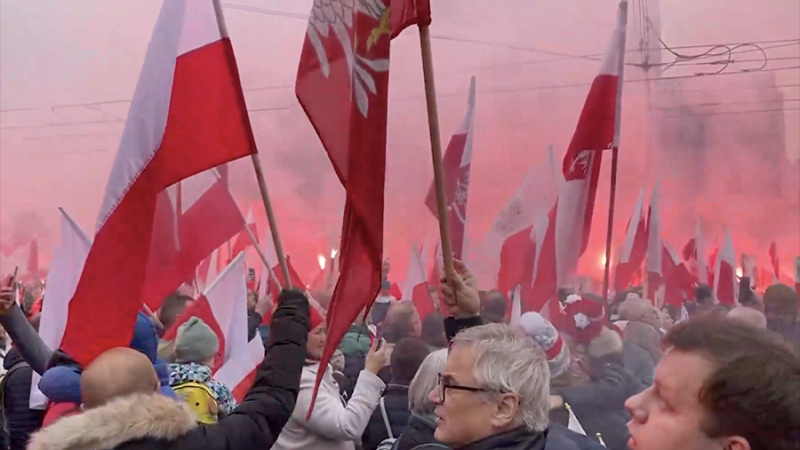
(122, 420)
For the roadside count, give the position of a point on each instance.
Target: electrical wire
(728, 113)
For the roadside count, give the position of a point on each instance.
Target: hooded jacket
(156, 422)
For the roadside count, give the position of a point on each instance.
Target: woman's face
(316, 341)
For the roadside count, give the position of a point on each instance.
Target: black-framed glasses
(445, 385)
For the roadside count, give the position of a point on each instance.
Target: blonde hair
(425, 381)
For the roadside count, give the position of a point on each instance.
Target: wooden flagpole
(436, 146)
(273, 225)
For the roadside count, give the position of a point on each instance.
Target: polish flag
(239, 372)
(678, 281)
(192, 219)
(635, 249)
(516, 308)
(773, 259)
(654, 272)
(223, 307)
(69, 258)
(415, 287)
(207, 271)
(725, 273)
(455, 167)
(243, 239)
(569, 222)
(188, 115)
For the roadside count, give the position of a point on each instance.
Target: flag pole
(436, 146)
(264, 258)
(273, 225)
(262, 185)
(623, 13)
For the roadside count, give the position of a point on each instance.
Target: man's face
(464, 417)
(667, 415)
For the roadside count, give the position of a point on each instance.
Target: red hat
(584, 318)
(315, 318)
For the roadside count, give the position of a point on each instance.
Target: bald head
(748, 316)
(116, 373)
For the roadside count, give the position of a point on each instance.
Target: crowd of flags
(167, 213)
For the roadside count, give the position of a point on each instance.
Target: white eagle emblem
(339, 15)
(581, 162)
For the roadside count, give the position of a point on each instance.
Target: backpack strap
(386, 419)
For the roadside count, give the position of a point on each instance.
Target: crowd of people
(619, 376)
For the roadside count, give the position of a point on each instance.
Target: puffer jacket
(395, 400)
(600, 406)
(156, 422)
(20, 419)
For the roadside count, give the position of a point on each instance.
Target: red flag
(516, 261)
(690, 250)
(187, 115)
(405, 13)
(342, 85)
(223, 307)
(678, 281)
(455, 166)
(725, 273)
(654, 248)
(635, 248)
(297, 283)
(243, 239)
(569, 222)
(189, 224)
(239, 372)
(415, 287)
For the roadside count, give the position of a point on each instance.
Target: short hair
(493, 306)
(406, 358)
(703, 293)
(173, 306)
(508, 361)
(644, 336)
(397, 323)
(780, 301)
(748, 316)
(425, 381)
(433, 332)
(752, 391)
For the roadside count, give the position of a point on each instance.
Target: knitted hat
(544, 333)
(584, 318)
(195, 342)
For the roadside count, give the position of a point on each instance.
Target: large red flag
(569, 222)
(192, 219)
(405, 13)
(456, 166)
(343, 84)
(187, 115)
(635, 249)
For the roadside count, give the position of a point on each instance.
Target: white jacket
(333, 425)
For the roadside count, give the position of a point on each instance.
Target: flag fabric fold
(415, 287)
(405, 13)
(187, 116)
(223, 307)
(243, 240)
(654, 247)
(635, 247)
(456, 165)
(725, 285)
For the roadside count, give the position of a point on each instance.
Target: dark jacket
(20, 419)
(600, 406)
(156, 422)
(639, 362)
(419, 431)
(395, 399)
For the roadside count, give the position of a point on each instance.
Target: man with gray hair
(494, 391)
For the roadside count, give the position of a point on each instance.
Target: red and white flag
(62, 280)
(239, 372)
(654, 246)
(207, 271)
(725, 273)
(223, 307)
(569, 222)
(635, 247)
(343, 85)
(243, 239)
(415, 287)
(678, 280)
(456, 167)
(192, 219)
(188, 115)
(516, 307)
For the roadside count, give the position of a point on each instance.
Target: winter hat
(607, 342)
(195, 342)
(544, 333)
(584, 318)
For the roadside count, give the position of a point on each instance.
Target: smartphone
(379, 338)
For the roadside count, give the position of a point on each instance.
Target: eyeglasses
(445, 385)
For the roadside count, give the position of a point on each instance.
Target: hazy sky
(55, 53)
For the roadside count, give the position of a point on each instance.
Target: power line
(726, 113)
(748, 102)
